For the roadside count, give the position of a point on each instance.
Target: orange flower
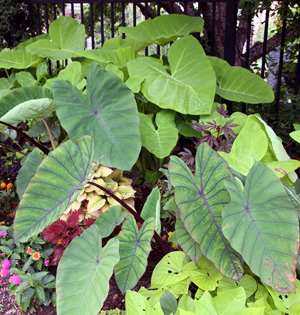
(36, 256)
(59, 242)
(29, 251)
(3, 185)
(9, 186)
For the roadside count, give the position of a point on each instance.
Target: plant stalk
(49, 132)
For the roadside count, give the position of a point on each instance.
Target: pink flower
(3, 233)
(15, 279)
(5, 264)
(4, 272)
(46, 262)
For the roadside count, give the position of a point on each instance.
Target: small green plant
(25, 266)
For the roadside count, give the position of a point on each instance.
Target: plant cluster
(234, 210)
(25, 266)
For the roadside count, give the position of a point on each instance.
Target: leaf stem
(49, 132)
(165, 248)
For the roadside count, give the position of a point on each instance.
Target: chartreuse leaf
(247, 282)
(108, 220)
(205, 305)
(200, 200)
(184, 239)
(23, 45)
(206, 276)
(162, 139)
(18, 59)
(282, 168)
(57, 182)
(250, 145)
(151, 208)
(230, 302)
(239, 84)
(164, 29)
(184, 90)
(187, 303)
(108, 112)
(134, 250)
(135, 304)
(67, 37)
(295, 135)
(262, 224)
(288, 303)
(27, 171)
(83, 273)
(22, 95)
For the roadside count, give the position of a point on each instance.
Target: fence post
(230, 31)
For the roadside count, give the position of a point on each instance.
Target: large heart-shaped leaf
(83, 273)
(165, 28)
(18, 59)
(67, 37)
(134, 250)
(262, 225)
(200, 200)
(162, 139)
(239, 84)
(22, 95)
(108, 112)
(189, 89)
(58, 180)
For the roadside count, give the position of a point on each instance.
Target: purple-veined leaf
(262, 225)
(134, 250)
(200, 200)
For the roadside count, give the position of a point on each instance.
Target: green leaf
(15, 256)
(164, 29)
(205, 305)
(6, 250)
(18, 59)
(168, 303)
(184, 125)
(108, 220)
(295, 135)
(5, 84)
(200, 200)
(134, 250)
(22, 95)
(117, 42)
(161, 140)
(239, 84)
(230, 301)
(184, 90)
(262, 225)
(27, 264)
(26, 298)
(67, 37)
(250, 145)
(25, 78)
(58, 180)
(37, 276)
(118, 56)
(23, 45)
(83, 273)
(29, 110)
(40, 293)
(151, 208)
(189, 246)
(282, 168)
(108, 112)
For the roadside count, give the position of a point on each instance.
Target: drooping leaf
(18, 59)
(117, 42)
(262, 225)
(189, 246)
(23, 45)
(108, 220)
(151, 208)
(27, 171)
(161, 140)
(200, 200)
(134, 250)
(184, 125)
(239, 84)
(21, 95)
(108, 112)
(83, 273)
(184, 90)
(164, 29)
(56, 184)
(67, 37)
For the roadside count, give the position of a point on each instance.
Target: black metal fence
(230, 32)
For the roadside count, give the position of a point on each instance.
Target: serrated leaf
(108, 112)
(184, 90)
(57, 182)
(162, 139)
(200, 200)
(134, 250)
(262, 225)
(108, 220)
(83, 273)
